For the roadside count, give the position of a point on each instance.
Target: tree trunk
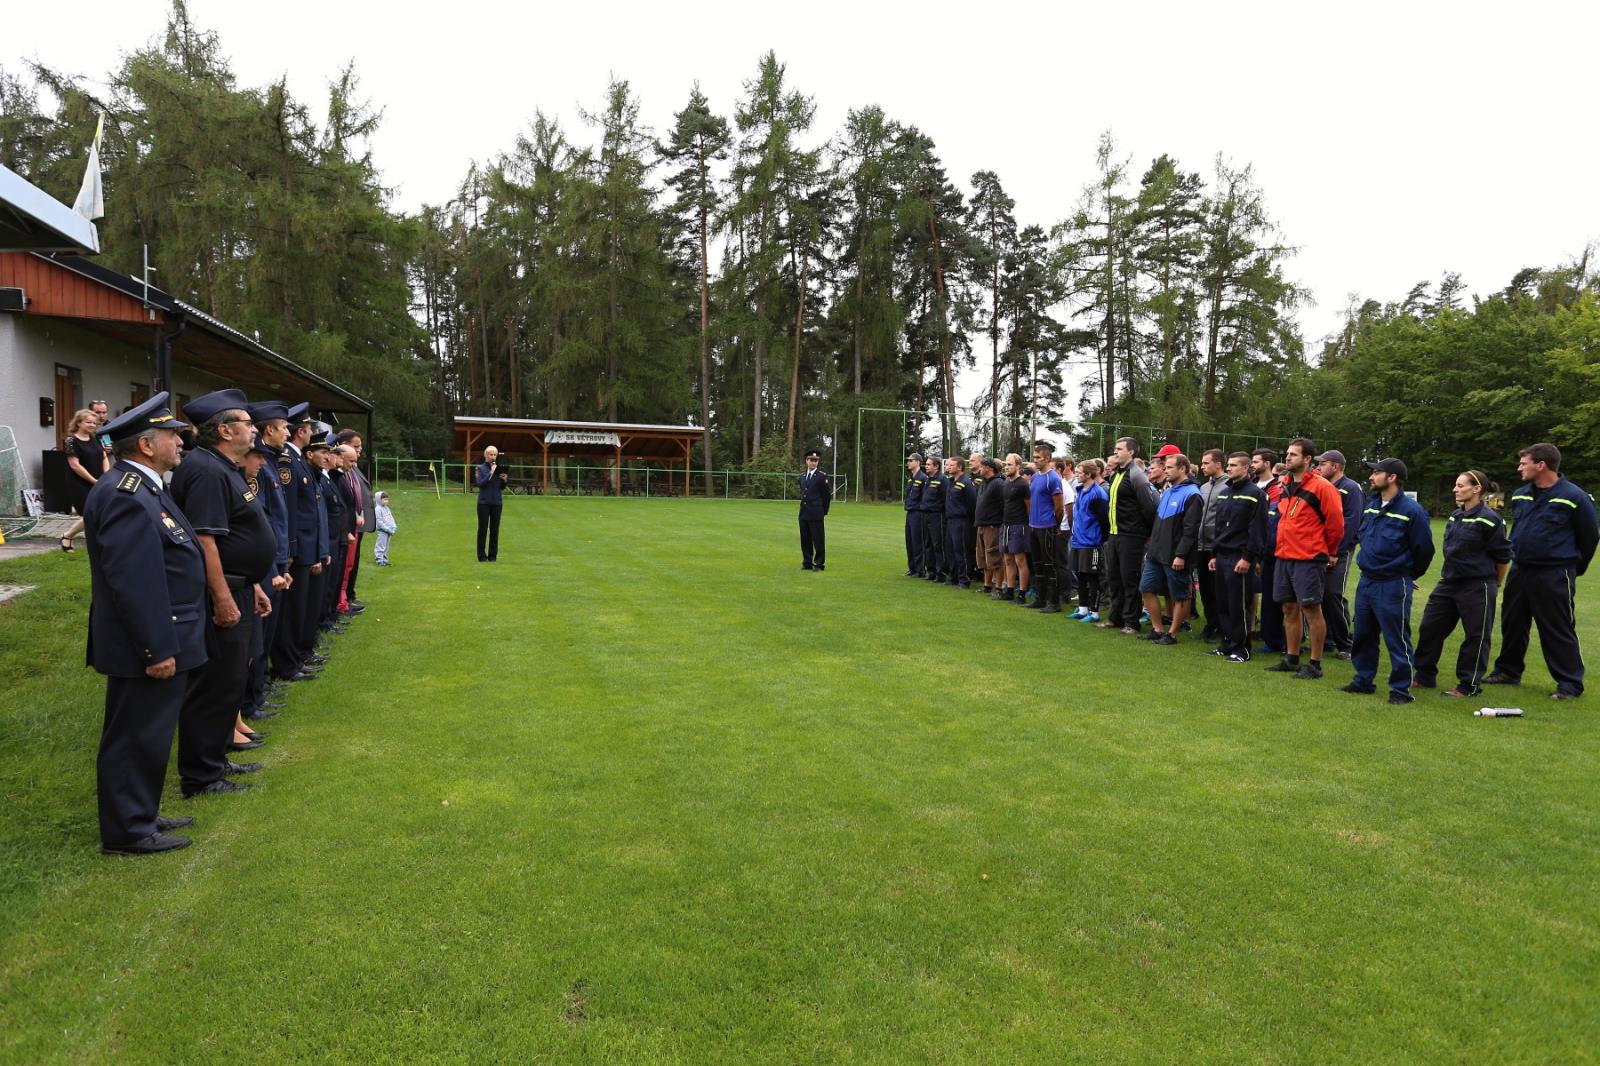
(994, 339)
(705, 328)
(944, 326)
(794, 376)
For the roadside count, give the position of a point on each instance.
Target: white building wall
(30, 348)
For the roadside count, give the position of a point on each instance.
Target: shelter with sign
(607, 443)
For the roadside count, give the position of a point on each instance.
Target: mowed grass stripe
(704, 806)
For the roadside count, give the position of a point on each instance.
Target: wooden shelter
(611, 443)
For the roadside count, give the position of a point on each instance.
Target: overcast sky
(1394, 141)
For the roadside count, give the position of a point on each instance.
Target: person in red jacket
(1310, 527)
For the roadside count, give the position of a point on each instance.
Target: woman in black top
(86, 461)
(1476, 554)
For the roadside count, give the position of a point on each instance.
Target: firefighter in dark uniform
(1553, 538)
(1239, 543)
(1476, 554)
(979, 474)
(290, 640)
(341, 529)
(816, 495)
(932, 507)
(1335, 605)
(327, 516)
(913, 501)
(1396, 548)
(272, 428)
(230, 522)
(960, 502)
(146, 623)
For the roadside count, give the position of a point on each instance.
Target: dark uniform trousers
(489, 530)
(1210, 607)
(1542, 595)
(1335, 607)
(1383, 608)
(311, 613)
(1065, 578)
(1232, 603)
(958, 557)
(933, 561)
(813, 542)
(265, 629)
(1470, 602)
(1271, 611)
(135, 744)
(286, 653)
(335, 576)
(205, 726)
(1124, 560)
(914, 541)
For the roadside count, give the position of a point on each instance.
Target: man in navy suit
(815, 495)
(146, 623)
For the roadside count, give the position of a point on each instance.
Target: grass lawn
(643, 791)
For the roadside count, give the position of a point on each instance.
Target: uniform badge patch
(285, 475)
(130, 482)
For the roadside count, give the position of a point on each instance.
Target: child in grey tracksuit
(386, 529)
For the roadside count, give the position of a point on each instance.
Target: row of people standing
(1266, 549)
(214, 574)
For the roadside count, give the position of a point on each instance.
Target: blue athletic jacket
(1397, 540)
(1089, 517)
(1554, 526)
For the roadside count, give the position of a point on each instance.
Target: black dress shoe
(820, 568)
(1497, 678)
(259, 716)
(150, 845)
(358, 610)
(301, 676)
(216, 788)
(253, 735)
(167, 825)
(805, 566)
(236, 768)
(251, 746)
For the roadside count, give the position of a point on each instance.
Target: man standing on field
(1310, 529)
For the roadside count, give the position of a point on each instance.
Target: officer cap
(299, 414)
(915, 457)
(212, 404)
(154, 413)
(316, 444)
(813, 454)
(1332, 455)
(267, 411)
(261, 446)
(1391, 466)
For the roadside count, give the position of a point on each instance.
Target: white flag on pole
(91, 197)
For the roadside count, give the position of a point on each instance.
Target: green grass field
(643, 791)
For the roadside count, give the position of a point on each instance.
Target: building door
(138, 394)
(69, 397)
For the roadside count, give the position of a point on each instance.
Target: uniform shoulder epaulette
(130, 482)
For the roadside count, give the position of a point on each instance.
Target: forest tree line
(744, 270)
